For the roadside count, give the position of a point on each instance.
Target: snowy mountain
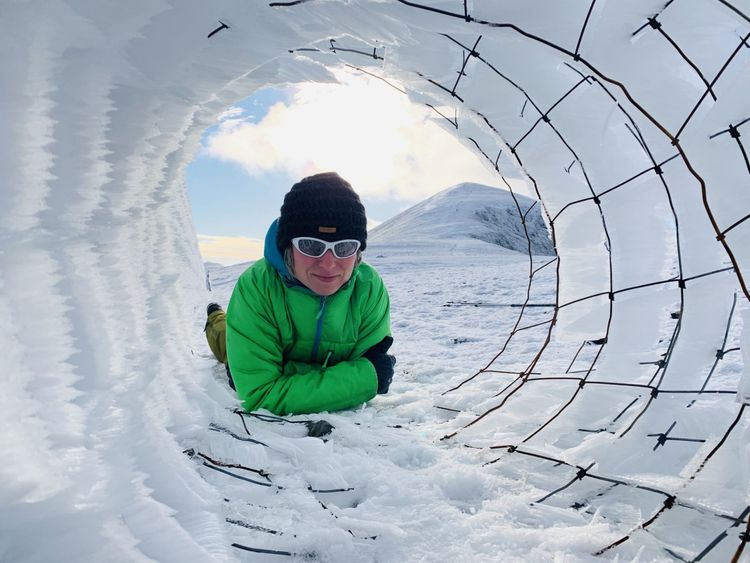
(470, 211)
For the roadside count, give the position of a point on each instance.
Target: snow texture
(607, 419)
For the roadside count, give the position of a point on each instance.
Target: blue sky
(226, 200)
(391, 151)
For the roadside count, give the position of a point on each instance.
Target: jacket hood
(272, 253)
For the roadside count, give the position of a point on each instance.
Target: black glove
(318, 428)
(382, 362)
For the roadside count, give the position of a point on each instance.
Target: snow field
(402, 493)
(397, 490)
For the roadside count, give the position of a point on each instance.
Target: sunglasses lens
(311, 247)
(345, 248)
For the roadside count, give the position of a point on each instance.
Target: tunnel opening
(360, 127)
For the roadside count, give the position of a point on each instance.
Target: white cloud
(229, 250)
(362, 128)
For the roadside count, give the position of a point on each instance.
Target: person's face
(324, 275)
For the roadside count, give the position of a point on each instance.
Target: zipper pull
(328, 357)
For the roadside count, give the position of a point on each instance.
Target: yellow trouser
(216, 334)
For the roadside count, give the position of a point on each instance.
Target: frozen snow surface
(606, 419)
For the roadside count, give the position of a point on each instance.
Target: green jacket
(292, 351)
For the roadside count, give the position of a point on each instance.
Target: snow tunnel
(629, 123)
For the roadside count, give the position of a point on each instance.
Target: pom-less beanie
(323, 206)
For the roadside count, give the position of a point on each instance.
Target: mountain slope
(470, 211)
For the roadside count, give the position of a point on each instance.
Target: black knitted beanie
(323, 206)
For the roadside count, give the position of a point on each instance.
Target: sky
(392, 151)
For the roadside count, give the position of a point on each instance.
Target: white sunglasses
(315, 248)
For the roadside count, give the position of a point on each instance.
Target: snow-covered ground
(387, 485)
(404, 494)
(408, 496)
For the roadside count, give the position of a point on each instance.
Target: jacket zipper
(318, 330)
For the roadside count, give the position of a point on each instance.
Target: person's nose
(328, 260)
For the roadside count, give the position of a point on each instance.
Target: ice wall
(629, 118)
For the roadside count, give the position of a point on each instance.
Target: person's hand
(383, 363)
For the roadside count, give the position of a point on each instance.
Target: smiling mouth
(326, 279)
